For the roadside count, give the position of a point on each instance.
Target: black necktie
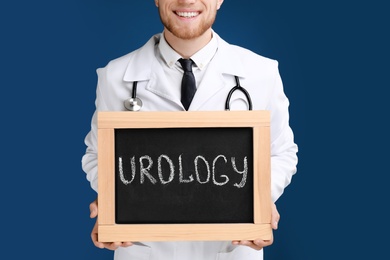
(188, 86)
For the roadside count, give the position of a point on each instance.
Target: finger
(94, 237)
(252, 245)
(275, 217)
(113, 245)
(126, 244)
(109, 245)
(99, 244)
(263, 243)
(275, 223)
(257, 244)
(93, 208)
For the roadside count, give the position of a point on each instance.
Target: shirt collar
(201, 58)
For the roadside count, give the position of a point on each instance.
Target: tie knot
(186, 64)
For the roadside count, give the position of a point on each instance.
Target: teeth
(187, 14)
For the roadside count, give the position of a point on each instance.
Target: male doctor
(188, 34)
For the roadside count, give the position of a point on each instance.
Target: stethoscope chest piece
(133, 104)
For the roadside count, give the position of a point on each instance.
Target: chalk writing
(202, 174)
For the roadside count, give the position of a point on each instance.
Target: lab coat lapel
(139, 66)
(144, 66)
(160, 85)
(224, 63)
(212, 82)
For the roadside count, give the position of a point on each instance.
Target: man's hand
(258, 244)
(93, 208)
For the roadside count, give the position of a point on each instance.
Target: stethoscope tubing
(135, 104)
(134, 92)
(243, 90)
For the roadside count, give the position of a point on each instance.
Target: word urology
(166, 171)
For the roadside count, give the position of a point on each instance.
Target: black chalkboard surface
(184, 175)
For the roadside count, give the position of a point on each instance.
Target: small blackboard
(184, 176)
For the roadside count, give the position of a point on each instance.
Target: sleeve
(89, 159)
(283, 149)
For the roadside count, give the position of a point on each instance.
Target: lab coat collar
(139, 67)
(200, 58)
(228, 62)
(143, 66)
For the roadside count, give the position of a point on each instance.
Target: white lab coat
(258, 75)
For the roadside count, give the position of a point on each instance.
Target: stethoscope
(243, 90)
(135, 104)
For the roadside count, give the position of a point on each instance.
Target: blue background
(333, 59)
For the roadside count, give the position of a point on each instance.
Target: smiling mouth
(187, 14)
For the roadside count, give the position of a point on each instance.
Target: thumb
(93, 208)
(275, 217)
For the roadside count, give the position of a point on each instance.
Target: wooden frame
(109, 231)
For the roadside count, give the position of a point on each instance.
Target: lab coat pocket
(134, 252)
(241, 252)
